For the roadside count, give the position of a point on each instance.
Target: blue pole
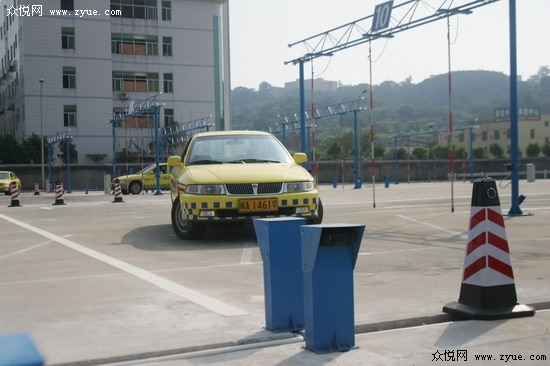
(302, 109)
(157, 162)
(68, 165)
(471, 155)
(514, 163)
(395, 166)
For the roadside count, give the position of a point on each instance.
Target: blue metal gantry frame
(138, 108)
(52, 141)
(293, 123)
(410, 14)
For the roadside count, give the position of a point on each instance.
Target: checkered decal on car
(191, 210)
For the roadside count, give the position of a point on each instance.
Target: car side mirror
(174, 161)
(300, 158)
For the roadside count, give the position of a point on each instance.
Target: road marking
(461, 235)
(24, 250)
(182, 291)
(246, 256)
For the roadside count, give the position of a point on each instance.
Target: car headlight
(205, 189)
(298, 187)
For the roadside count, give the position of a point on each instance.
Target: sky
(260, 31)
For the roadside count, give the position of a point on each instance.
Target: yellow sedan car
(8, 178)
(145, 179)
(236, 176)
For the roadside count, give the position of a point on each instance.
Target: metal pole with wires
(371, 104)
(451, 152)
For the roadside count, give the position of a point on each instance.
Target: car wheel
(135, 188)
(185, 229)
(319, 219)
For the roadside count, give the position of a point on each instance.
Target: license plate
(258, 205)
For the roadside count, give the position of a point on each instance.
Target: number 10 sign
(382, 16)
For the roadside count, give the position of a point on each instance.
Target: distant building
(92, 65)
(318, 84)
(531, 129)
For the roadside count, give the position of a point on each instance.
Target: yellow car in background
(145, 179)
(8, 178)
(236, 176)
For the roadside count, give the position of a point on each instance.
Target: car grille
(252, 189)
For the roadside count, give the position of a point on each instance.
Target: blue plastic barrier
(329, 253)
(279, 241)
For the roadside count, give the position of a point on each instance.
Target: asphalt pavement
(94, 282)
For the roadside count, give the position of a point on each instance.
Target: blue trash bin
(329, 253)
(18, 349)
(279, 241)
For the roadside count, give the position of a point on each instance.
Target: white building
(99, 60)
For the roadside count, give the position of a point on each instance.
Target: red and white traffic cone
(14, 196)
(488, 290)
(36, 189)
(59, 195)
(118, 193)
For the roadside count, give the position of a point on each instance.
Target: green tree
(496, 150)
(533, 150)
(479, 153)
(72, 151)
(420, 152)
(11, 151)
(441, 151)
(546, 149)
(31, 149)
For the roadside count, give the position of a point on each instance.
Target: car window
(236, 149)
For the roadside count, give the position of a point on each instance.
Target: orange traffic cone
(488, 290)
(14, 196)
(59, 195)
(118, 193)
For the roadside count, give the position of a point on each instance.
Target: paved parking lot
(94, 282)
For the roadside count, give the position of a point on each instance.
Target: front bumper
(226, 207)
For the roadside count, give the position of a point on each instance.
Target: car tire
(134, 188)
(319, 219)
(185, 229)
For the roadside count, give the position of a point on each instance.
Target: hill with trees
(398, 108)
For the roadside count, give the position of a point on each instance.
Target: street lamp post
(42, 137)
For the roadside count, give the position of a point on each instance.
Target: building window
(484, 136)
(69, 115)
(129, 44)
(168, 117)
(67, 38)
(67, 5)
(167, 46)
(532, 133)
(137, 9)
(135, 82)
(69, 77)
(168, 83)
(497, 135)
(166, 10)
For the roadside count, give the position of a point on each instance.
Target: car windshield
(4, 176)
(152, 168)
(238, 149)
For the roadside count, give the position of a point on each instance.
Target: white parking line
(24, 250)
(462, 235)
(182, 291)
(246, 256)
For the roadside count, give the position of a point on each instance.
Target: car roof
(233, 132)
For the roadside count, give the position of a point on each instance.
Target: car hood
(246, 173)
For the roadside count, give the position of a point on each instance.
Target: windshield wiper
(204, 162)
